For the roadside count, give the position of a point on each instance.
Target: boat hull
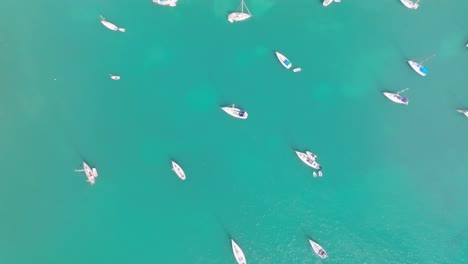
(463, 112)
(284, 61)
(327, 2)
(308, 160)
(171, 3)
(396, 98)
(109, 25)
(178, 170)
(318, 249)
(238, 16)
(410, 4)
(238, 254)
(235, 112)
(418, 68)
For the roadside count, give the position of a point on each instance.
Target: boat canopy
(424, 70)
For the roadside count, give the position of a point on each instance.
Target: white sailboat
(238, 254)
(111, 26)
(397, 98)
(328, 2)
(419, 67)
(114, 77)
(235, 112)
(91, 174)
(178, 170)
(240, 16)
(318, 249)
(308, 161)
(410, 4)
(284, 61)
(171, 3)
(463, 112)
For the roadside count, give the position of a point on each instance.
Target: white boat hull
(178, 170)
(318, 249)
(91, 174)
(238, 16)
(238, 254)
(110, 25)
(409, 4)
(463, 112)
(235, 112)
(171, 3)
(115, 77)
(418, 68)
(308, 161)
(396, 98)
(284, 61)
(327, 2)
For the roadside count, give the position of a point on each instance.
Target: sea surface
(395, 179)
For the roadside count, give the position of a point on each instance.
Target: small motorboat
(308, 161)
(397, 98)
(171, 3)
(114, 77)
(238, 254)
(320, 174)
(318, 249)
(285, 61)
(91, 174)
(410, 4)
(297, 70)
(311, 155)
(418, 68)
(235, 112)
(463, 112)
(314, 174)
(328, 2)
(111, 26)
(178, 170)
(240, 15)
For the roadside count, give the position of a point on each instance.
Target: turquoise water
(394, 185)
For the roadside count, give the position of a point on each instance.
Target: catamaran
(410, 4)
(171, 3)
(418, 66)
(178, 170)
(328, 2)
(240, 16)
(397, 98)
(111, 26)
(464, 112)
(235, 112)
(308, 160)
(318, 249)
(114, 77)
(238, 254)
(91, 174)
(285, 61)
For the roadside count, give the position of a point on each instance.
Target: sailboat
(91, 174)
(240, 16)
(111, 26)
(410, 4)
(318, 249)
(235, 112)
(397, 98)
(178, 170)
(114, 77)
(284, 61)
(419, 67)
(171, 3)
(238, 253)
(464, 112)
(328, 2)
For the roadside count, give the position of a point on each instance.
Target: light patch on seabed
(259, 7)
(316, 26)
(202, 98)
(223, 8)
(156, 56)
(451, 45)
(247, 57)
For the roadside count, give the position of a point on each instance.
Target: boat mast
(243, 4)
(402, 91)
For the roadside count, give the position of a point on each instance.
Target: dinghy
(171, 3)
(238, 254)
(308, 161)
(285, 61)
(114, 77)
(111, 26)
(410, 4)
(318, 249)
(178, 170)
(314, 174)
(328, 2)
(320, 174)
(240, 16)
(397, 98)
(235, 112)
(297, 70)
(464, 112)
(91, 174)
